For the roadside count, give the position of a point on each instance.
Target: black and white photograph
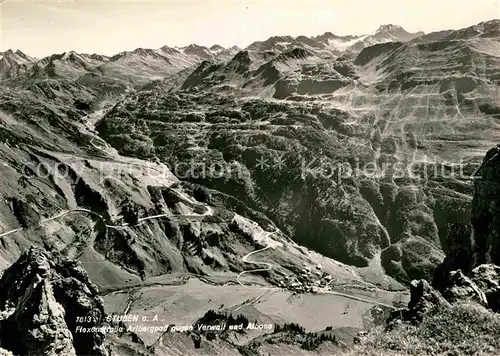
(249, 177)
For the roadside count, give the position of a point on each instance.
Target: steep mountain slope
(200, 186)
(338, 43)
(57, 156)
(385, 34)
(143, 65)
(280, 44)
(250, 72)
(13, 64)
(110, 76)
(67, 65)
(130, 222)
(362, 167)
(465, 291)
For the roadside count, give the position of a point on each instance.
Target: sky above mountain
(111, 26)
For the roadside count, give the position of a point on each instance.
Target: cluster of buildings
(308, 281)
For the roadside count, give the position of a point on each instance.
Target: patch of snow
(341, 44)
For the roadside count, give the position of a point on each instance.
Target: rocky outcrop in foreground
(424, 300)
(43, 300)
(482, 288)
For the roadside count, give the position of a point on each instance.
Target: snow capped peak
(271, 44)
(12, 63)
(138, 53)
(218, 50)
(79, 58)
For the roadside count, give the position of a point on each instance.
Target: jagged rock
(486, 209)
(423, 300)
(42, 298)
(487, 277)
(458, 247)
(39, 322)
(461, 288)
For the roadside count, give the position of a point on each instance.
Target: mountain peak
(142, 51)
(20, 53)
(390, 28)
(327, 36)
(217, 47)
(197, 50)
(194, 46)
(69, 54)
(169, 50)
(16, 57)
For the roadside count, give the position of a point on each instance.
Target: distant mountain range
(132, 69)
(328, 42)
(151, 64)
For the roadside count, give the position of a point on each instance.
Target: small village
(308, 281)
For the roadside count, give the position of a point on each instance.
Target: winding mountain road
(208, 212)
(267, 265)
